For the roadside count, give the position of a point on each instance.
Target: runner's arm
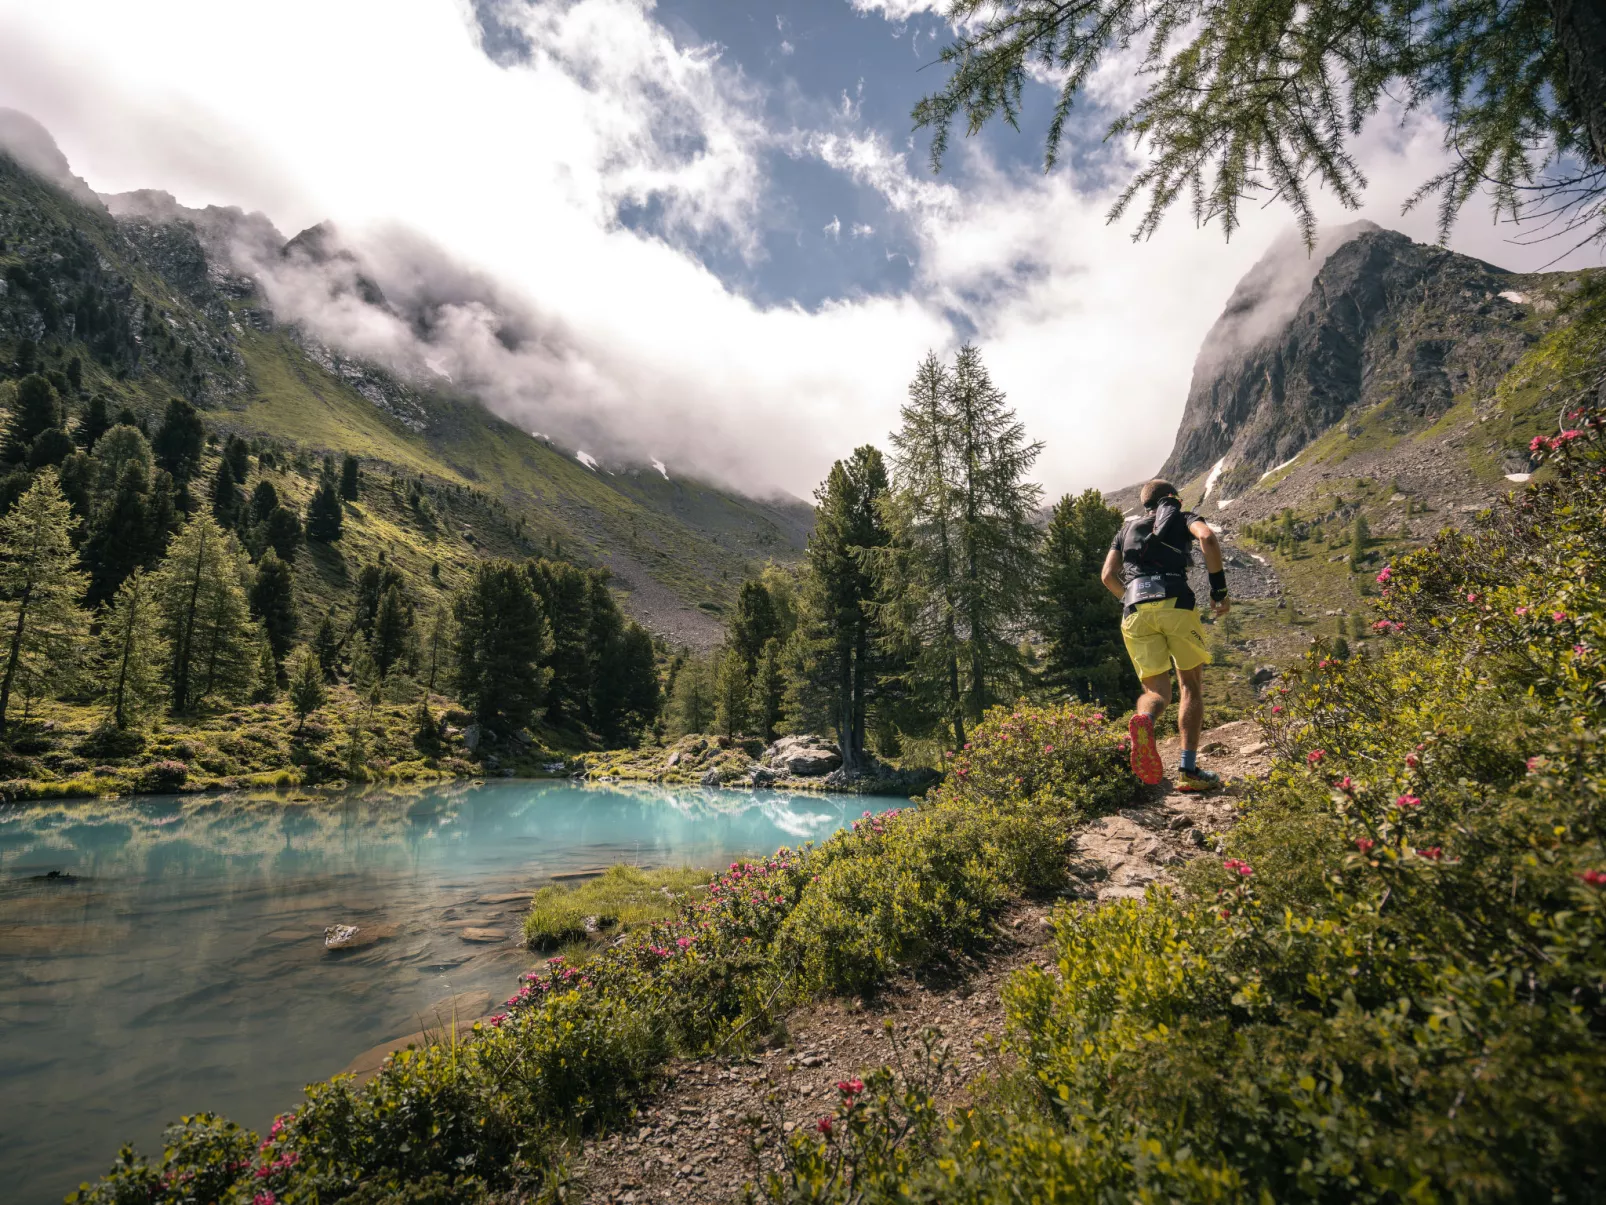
(1211, 547)
(1112, 573)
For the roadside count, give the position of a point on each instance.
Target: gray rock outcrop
(803, 756)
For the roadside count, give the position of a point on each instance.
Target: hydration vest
(1155, 550)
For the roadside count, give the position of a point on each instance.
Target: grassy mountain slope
(150, 314)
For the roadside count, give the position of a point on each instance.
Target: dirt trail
(693, 1142)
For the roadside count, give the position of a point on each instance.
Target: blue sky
(715, 215)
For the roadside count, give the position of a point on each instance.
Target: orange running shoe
(1146, 762)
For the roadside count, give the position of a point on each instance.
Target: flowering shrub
(1393, 986)
(161, 777)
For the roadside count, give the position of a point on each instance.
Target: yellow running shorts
(1157, 633)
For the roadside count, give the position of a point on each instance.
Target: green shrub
(623, 898)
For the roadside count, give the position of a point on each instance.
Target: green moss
(623, 898)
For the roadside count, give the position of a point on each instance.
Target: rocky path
(712, 1129)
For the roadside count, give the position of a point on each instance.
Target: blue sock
(1190, 760)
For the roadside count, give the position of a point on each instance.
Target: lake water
(182, 968)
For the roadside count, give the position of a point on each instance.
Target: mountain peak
(31, 145)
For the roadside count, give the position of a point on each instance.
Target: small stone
(482, 936)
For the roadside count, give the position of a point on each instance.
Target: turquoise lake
(176, 962)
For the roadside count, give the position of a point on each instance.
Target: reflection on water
(175, 961)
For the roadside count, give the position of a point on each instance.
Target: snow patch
(537, 435)
(1258, 557)
(1515, 297)
(1277, 468)
(437, 366)
(659, 465)
(1225, 503)
(1210, 481)
(1212, 527)
(1519, 478)
(587, 459)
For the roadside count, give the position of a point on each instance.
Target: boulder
(760, 777)
(711, 779)
(482, 936)
(803, 756)
(355, 937)
(1262, 675)
(472, 736)
(674, 760)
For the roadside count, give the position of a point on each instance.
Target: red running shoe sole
(1146, 763)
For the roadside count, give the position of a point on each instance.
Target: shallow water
(182, 968)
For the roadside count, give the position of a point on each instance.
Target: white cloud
(833, 228)
(384, 116)
(899, 10)
(862, 230)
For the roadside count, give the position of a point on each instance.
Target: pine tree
(326, 645)
(754, 624)
(179, 442)
(41, 624)
(836, 669)
(768, 690)
(426, 731)
(307, 692)
(238, 453)
(565, 593)
(264, 500)
(325, 515)
(50, 447)
(605, 630)
(349, 478)
(393, 640)
(962, 591)
(35, 410)
(732, 693)
(204, 616)
(638, 673)
(131, 654)
(226, 498)
(691, 704)
(265, 687)
(1359, 539)
(282, 533)
(1076, 615)
(273, 602)
(437, 645)
(502, 639)
(96, 421)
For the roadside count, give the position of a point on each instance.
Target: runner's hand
(1221, 608)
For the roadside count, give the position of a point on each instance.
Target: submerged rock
(482, 936)
(354, 937)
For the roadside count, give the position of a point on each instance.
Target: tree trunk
(1580, 27)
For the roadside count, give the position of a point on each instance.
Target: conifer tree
(42, 628)
(426, 731)
(502, 640)
(960, 583)
(273, 602)
(438, 643)
(307, 692)
(326, 645)
(768, 690)
(836, 662)
(393, 638)
(131, 653)
(50, 447)
(754, 623)
(732, 693)
(1359, 540)
(35, 410)
(226, 499)
(1076, 615)
(325, 515)
(264, 500)
(691, 705)
(96, 421)
(265, 687)
(179, 442)
(604, 638)
(204, 616)
(638, 673)
(238, 453)
(349, 478)
(282, 533)
(565, 593)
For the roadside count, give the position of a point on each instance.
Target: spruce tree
(226, 498)
(264, 501)
(768, 690)
(324, 514)
(754, 624)
(282, 533)
(565, 592)
(96, 421)
(438, 642)
(179, 442)
(204, 616)
(732, 693)
(326, 645)
(307, 692)
(35, 410)
(131, 653)
(1076, 615)
(502, 640)
(120, 536)
(349, 478)
(41, 624)
(273, 602)
(393, 640)
(604, 636)
(265, 685)
(238, 453)
(837, 667)
(638, 674)
(50, 447)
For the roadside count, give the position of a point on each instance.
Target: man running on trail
(1147, 569)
